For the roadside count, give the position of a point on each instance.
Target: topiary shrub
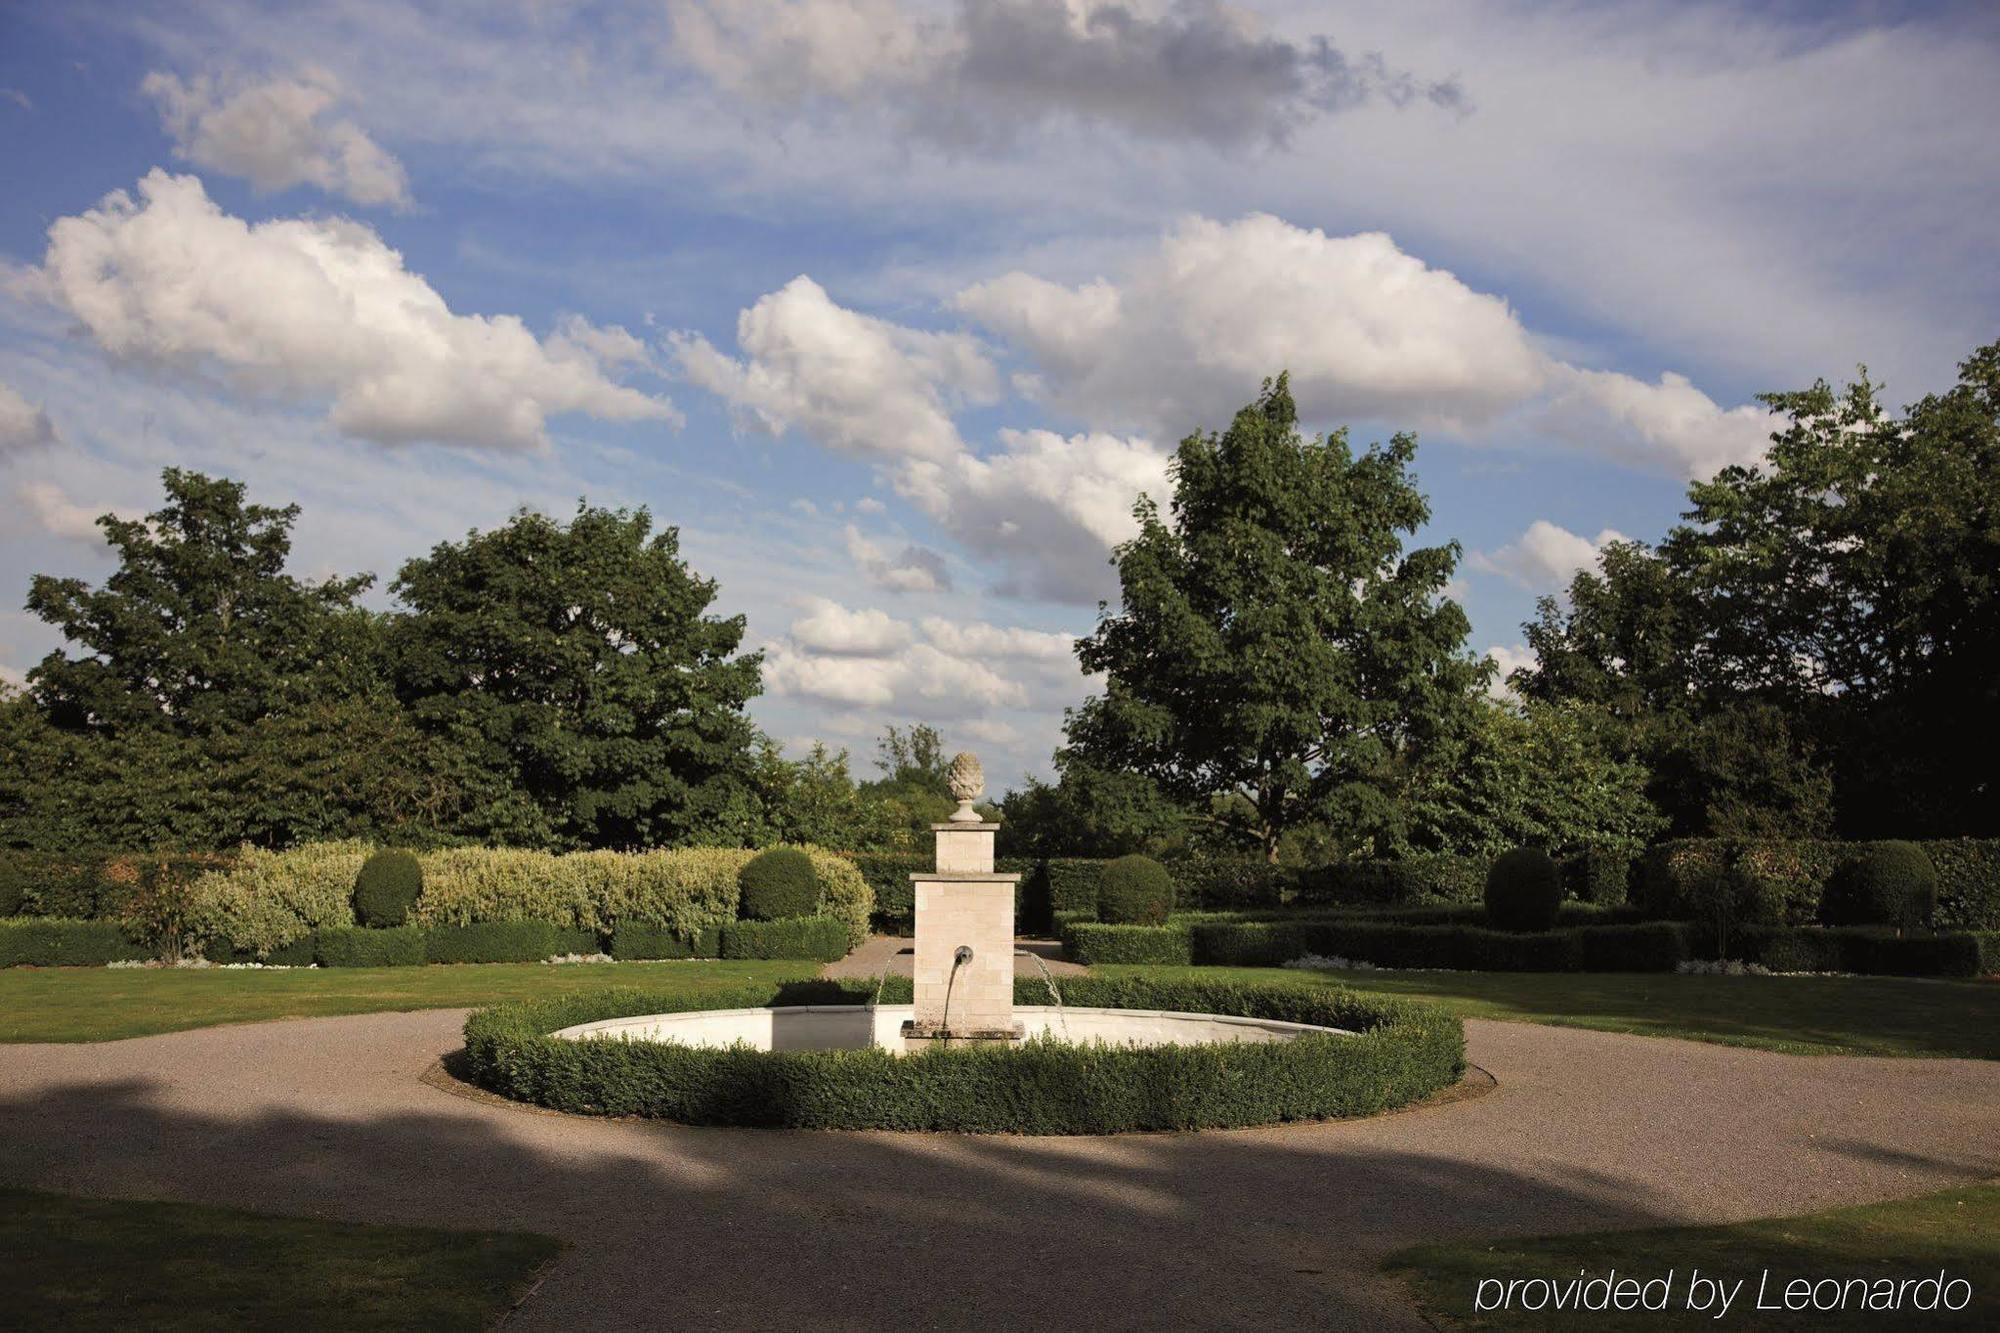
(778, 885)
(1886, 884)
(1523, 890)
(387, 888)
(1134, 891)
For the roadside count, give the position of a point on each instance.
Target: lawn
(117, 1263)
(1802, 1015)
(1957, 1231)
(103, 1004)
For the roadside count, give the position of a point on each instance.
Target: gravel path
(756, 1229)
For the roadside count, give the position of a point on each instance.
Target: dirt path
(745, 1228)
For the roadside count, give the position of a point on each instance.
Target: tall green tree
(577, 665)
(199, 627)
(1275, 641)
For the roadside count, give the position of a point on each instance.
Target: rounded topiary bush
(1134, 891)
(778, 885)
(1523, 890)
(1886, 884)
(387, 888)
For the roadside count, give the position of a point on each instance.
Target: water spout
(959, 958)
(1062, 1019)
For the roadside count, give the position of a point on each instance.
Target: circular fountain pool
(832, 1027)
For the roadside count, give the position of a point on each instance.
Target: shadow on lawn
(747, 1228)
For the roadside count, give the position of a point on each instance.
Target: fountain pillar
(964, 962)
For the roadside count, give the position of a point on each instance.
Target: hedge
(505, 942)
(823, 938)
(362, 946)
(1090, 942)
(1866, 950)
(1401, 1053)
(635, 941)
(85, 887)
(56, 942)
(1968, 871)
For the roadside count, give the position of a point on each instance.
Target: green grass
(1801, 1015)
(1957, 1231)
(104, 1004)
(120, 1263)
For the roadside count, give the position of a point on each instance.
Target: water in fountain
(1062, 1019)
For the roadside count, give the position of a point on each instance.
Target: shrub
(301, 952)
(1221, 880)
(888, 875)
(844, 894)
(362, 946)
(1724, 900)
(1073, 883)
(467, 885)
(1091, 943)
(504, 942)
(1656, 946)
(1523, 890)
(263, 901)
(688, 891)
(387, 888)
(54, 942)
(1403, 1052)
(778, 885)
(638, 940)
(1134, 891)
(1885, 884)
(161, 913)
(821, 938)
(1597, 875)
(1968, 873)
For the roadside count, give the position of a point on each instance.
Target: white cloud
(977, 639)
(868, 504)
(1671, 426)
(828, 627)
(275, 134)
(915, 569)
(1546, 555)
(856, 384)
(307, 309)
(985, 72)
(1366, 330)
(1510, 660)
(54, 513)
(23, 425)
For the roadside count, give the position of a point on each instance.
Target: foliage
(1825, 620)
(777, 884)
(1597, 875)
(265, 900)
(576, 664)
(504, 942)
(1134, 891)
(1523, 890)
(636, 940)
(160, 910)
(822, 938)
(1886, 884)
(362, 946)
(1869, 951)
(1089, 811)
(814, 800)
(1275, 643)
(40, 941)
(1091, 943)
(1547, 775)
(844, 894)
(1403, 1052)
(387, 888)
(1733, 896)
(1210, 878)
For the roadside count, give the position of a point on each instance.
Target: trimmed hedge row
(1968, 875)
(1654, 946)
(1402, 1052)
(56, 942)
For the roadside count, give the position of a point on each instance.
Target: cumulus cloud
(23, 425)
(1546, 555)
(857, 384)
(977, 639)
(1670, 426)
(49, 510)
(1194, 69)
(311, 309)
(1048, 507)
(829, 627)
(1509, 660)
(1366, 330)
(914, 569)
(276, 134)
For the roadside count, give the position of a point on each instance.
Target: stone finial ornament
(967, 780)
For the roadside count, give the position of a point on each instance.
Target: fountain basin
(833, 1027)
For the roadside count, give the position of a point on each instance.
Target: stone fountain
(964, 967)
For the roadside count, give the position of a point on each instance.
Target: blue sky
(892, 307)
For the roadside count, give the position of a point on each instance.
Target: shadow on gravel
(747, 1228)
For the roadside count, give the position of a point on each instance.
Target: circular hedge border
(1403, 1051)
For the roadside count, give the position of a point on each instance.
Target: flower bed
(1400, 1052)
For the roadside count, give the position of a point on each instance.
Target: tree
(199, 627)
(1551, 776)
(1275, 642)
(814, 800)
(1088, 812)
(576, 666)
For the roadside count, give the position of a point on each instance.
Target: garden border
(1403, 1051)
